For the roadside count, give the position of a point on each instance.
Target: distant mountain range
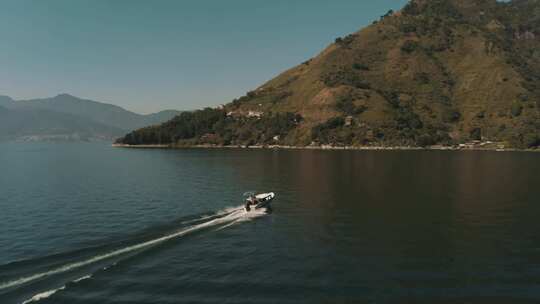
(66, 117)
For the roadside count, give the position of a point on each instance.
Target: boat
(258, 201)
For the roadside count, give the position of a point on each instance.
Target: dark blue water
(88, 223)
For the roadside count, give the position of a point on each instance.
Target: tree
(476, 134)
(516, 109)
(409, 46)
(388, 14)
(450, 115)
(425, 140)
(360, 66)
(411, 9)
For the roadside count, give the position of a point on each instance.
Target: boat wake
(220, 220)
(43, 295)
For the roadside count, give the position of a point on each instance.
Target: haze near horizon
(168, 54)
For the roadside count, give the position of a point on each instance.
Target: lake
(88, 223)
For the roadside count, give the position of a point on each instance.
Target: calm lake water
(88, 223)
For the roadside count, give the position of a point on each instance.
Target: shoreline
(328, 147)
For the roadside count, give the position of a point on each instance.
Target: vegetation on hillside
(437, 72)
(214, 126)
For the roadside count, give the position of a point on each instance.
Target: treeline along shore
(463, 147)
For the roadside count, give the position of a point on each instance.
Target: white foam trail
(82, 278)
(43, 295)
(109, 266)
(222, 212)
(228, 225)
(247, 216)
(230, 217)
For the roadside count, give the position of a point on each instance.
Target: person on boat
(252, 200)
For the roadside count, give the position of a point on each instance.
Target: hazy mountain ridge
(6, 101)
(436, 72)
(68, 117)
(48, 125)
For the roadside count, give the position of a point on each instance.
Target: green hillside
(436, 72)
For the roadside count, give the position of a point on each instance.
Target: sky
(151, 55)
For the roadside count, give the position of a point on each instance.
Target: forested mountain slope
(436, 72)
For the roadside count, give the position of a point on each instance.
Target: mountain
(107, 114)
(68, 117)
(158, 118)
(48, 125)
(437, 72)
(6, 101)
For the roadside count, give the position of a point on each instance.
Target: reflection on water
(347, 227)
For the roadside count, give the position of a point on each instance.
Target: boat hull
(264, 200)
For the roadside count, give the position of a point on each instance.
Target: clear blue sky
(152, 55)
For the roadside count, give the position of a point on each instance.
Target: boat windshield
(249, 194)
